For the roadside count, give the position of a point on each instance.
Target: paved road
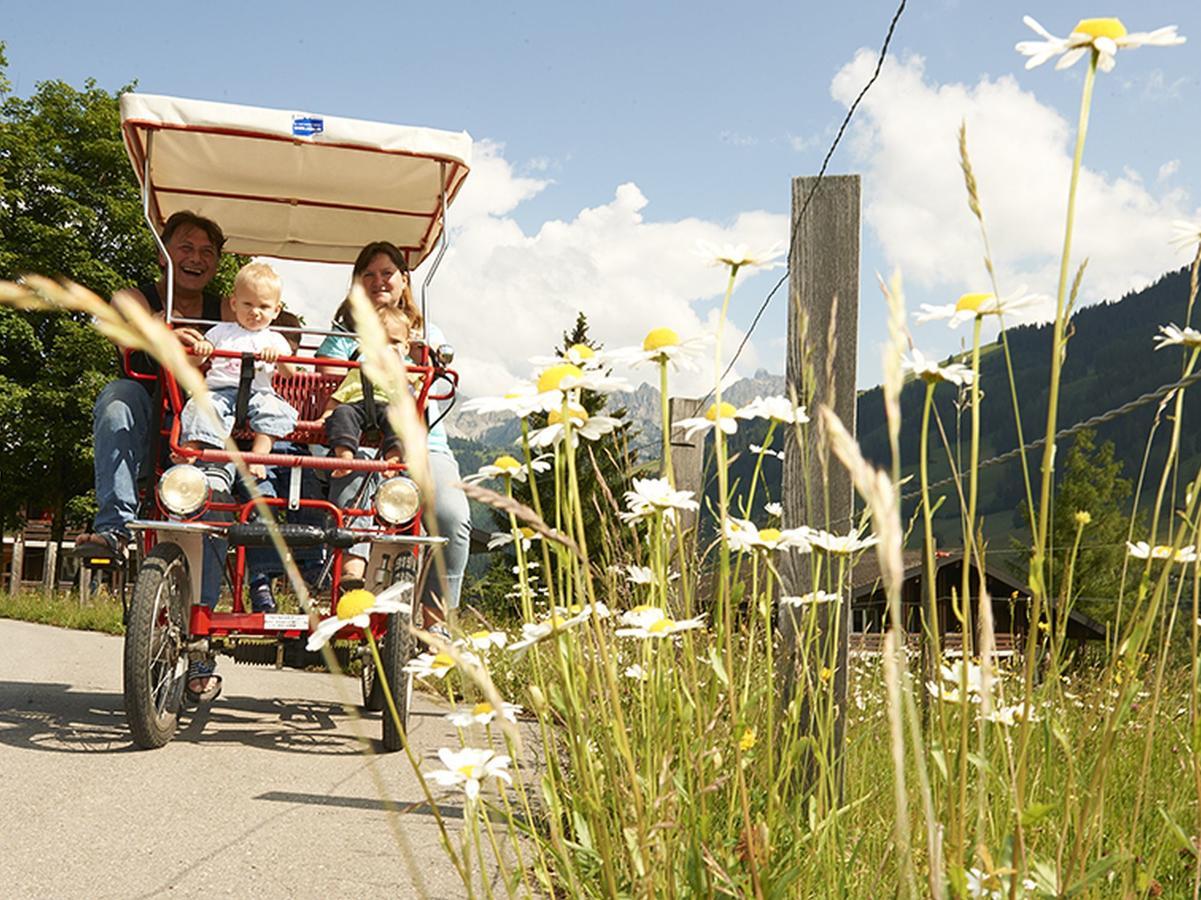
(266, 794)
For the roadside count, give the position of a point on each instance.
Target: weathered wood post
(687, 455)
(17, 569)
(50, 568)
(823, 321)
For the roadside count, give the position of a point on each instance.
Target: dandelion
(747, 741)
(721, 416)
(508, 467)
(356, 608)
(810, 599)
(1186, 235)
(971, 306)
(931, 372)
(591, 428)
(778, 454)
(826, 674)
(486, 640)
(662, 346)
(838, 545)
(744, 537)
(1105, 36)
(740, 256)
(1143, 550)
(469, 767)
(483, 713)
(655, 495)
(774, 409)
(1174, 336)
(661, 628)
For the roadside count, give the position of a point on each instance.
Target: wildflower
(486, 640)
(555, 380)
(931, 372)
(1083, 517)
(521, 400)
(504, 538)
(591, 428)
(437, 665)
(655, 495)
(985, 885)
(642, 616)
(774, 409)
(744, 537)
(951, 681)
(747, 741)
(356, 608)
(1174, 336)
(559, 620)
(778, 454)
(774, 509)
(1143, 550)
(469, 767)
(636, 672)
(482, 714)
(825, 674)
(971, 306)
(810, 598)
(580, 355)
(717, 416)
(1105, 36)
(662, 346)
(738, 256)
(839, 544)
(1012, 715)
(661, 628)
(506, 466)
(639, 575)
(1186, 235)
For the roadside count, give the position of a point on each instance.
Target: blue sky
(703, 112)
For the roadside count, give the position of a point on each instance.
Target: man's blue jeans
(121, 425)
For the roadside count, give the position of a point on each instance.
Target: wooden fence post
(17, 570)
(823, 321)
(687, 455)
(50, 566)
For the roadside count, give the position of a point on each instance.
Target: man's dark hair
(185, 218)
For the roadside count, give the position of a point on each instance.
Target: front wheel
(395, 651)
(155, 661)
(373, 691)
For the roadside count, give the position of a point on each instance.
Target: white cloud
(503, 295)
(1168, 169)
(905, 138)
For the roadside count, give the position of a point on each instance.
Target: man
(123, 413)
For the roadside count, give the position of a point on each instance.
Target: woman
(383, 272)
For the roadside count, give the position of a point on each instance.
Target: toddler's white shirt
(224, 373)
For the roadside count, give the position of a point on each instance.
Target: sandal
(102, 545)
(203, 684)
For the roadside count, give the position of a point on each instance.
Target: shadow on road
(55, 717)
(366, 803)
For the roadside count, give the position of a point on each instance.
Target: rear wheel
(373, 691)
(155, 661)
(395, 651)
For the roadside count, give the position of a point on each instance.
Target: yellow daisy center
(658, 338)
(723, 409)
(555, 375)
(1099, 28)
(480, 635)
(443, 661)
(467, 771)
(481, 709)
(770, 535)
(971, 302)
(506, 464)
(661, 626)
(642, 608)
(581, 351)
(577, 414)
(355, 603)
(528, 534)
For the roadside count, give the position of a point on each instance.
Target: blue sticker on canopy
(307, 126)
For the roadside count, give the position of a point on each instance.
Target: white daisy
(505, 466)
(774, 409)
(556, 379)
(1143, 550)
(521, 400)
(655, 495)
(740, 256)
(744, 537)
(483, 713)
(437, 665)
(504, 538)
(1012, 715)
(642, 616)
(577, 354)
(356, 608)
(663, 345)
(778, 454)
(969, 306)
(661, 628)
(639, 575)
(723, 417)
(590, 428)
(468, 768)
(561, 620)
(636, 672)
(1174, 336)
(838, 544)
(931, 372)
(486, 640)
(1106, 36)
(809, 599)
(774, 509)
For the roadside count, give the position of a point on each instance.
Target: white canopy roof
(295, 185)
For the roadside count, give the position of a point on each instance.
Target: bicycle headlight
(183, 490)
(397, 500)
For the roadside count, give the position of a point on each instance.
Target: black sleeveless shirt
(143, 363)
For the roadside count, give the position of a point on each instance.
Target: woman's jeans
(452, 515)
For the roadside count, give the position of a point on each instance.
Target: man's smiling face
(194, 256)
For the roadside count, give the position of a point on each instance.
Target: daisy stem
(665, 404)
